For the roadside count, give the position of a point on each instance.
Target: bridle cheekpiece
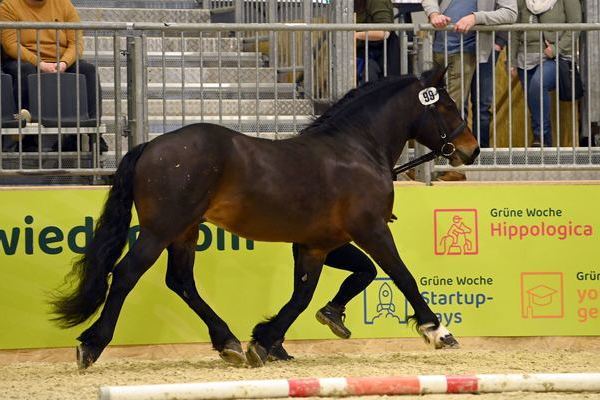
(428, 97)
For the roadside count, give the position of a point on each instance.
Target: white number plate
(429, 96)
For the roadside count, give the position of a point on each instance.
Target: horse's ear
(434, 77)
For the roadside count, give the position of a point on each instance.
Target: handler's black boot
(334, 316)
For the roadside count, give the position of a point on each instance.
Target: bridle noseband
(447, 149)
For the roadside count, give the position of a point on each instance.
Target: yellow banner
(515, 260)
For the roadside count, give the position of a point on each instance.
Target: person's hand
(513, 72)
(549, 50)
(439, 20)
(47, 67)
(465, 23)
(62, 66)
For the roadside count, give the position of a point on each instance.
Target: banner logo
(384, 302)
(542, 295)
(455, 232)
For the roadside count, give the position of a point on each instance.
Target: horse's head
(441, 127)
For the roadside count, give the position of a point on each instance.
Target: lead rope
(413, 163)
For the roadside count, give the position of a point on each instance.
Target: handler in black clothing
(348, 258)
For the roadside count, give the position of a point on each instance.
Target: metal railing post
(239, 11)
(135, 92)
(307, 58)
(422, 45)
(272, 18)
(343, 49)
(119, 130)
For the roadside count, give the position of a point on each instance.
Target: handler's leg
(378, 242)
(349, 258)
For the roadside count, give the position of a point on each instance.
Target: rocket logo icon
(380, 303)
(386, 302)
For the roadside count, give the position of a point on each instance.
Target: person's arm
(373, 36)
(9, 37)
(505, 13)
(381, 12)
(74, 37)
(430, 7)
(574, 15)
(501, 40)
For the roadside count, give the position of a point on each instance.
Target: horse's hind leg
(268, 334)
(125, 275)
(378, 242)
(180, 279)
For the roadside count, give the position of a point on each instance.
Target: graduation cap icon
(541, 295)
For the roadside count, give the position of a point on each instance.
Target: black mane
(358, 94)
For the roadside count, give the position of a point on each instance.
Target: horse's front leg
(379, 244)
(270, 333)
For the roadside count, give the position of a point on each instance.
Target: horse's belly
(268, 224)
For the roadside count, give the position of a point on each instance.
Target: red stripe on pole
(304, 387)
(462, 384)
(384, 385)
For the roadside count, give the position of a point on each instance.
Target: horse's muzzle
(460, 157)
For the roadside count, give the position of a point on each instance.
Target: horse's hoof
(256, 355)
(447, 342)
(278, 353)
(87, 355)
(233, 353)
(440, 336)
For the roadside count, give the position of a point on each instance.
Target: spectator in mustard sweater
(51, 59)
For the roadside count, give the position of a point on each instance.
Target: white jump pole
(340, 387)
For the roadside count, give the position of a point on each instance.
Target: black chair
(9, 108)
(68, 100)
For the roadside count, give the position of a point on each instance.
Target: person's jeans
(539, 106)
(11, 67)
(486, 98)
(374, 69)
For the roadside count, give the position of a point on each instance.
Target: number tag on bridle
(429, 96)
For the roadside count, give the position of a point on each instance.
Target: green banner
(510, 260)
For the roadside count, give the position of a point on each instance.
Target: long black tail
(86, 285)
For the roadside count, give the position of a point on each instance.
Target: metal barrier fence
(272, 11)
(157, 77)
(516, 112)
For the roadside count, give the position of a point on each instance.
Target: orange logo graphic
(542, 295)
(455, 232)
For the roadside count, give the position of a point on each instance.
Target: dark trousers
(11, 67)
(349, 258)
(486, 98)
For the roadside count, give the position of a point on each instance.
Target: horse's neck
(392, 129)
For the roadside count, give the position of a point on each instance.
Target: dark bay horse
(331, 185)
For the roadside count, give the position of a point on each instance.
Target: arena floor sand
(52, 374)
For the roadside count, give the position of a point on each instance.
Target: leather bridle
(446, 150)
